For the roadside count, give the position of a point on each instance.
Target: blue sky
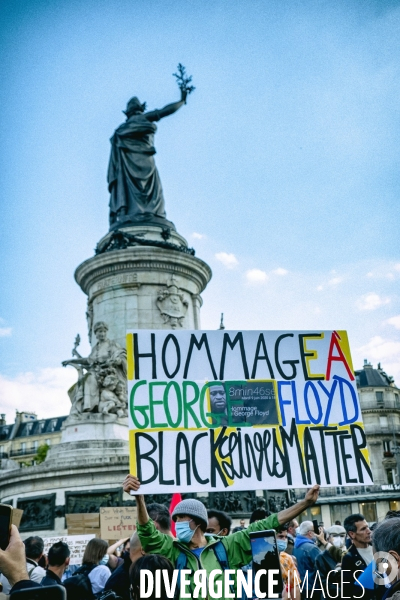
(282, 170)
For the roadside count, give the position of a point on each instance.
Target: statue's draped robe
(133, 179)
(85, 394)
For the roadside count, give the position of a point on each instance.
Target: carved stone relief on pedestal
(172, 304)
(38, 512)
(90, 502)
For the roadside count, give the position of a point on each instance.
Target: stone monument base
(89, 438)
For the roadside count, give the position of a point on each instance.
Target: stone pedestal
(143, 286)
(89, 438)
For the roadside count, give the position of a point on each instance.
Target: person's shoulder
(101, 568)
(99, 571)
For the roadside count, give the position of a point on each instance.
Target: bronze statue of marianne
(133, 180)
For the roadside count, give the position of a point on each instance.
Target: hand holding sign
(312, 495)
(131, 484)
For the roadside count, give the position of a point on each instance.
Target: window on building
(311, 513)
(35, 446)
(340, 511)
(394, 505)
(368, 509)
(379, 397)
(386, 446)
(48, 442)
(397, 400)
(383, 422)
(23, 446)
(390, 476)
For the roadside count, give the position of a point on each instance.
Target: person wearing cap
(201, 551)
(330, 560)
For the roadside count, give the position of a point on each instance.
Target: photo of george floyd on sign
(243, 410)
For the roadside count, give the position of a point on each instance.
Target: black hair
(258, 514)
(392, 514)
(34, 547)
(350, 522)
(224, 520)
(160, 514)
(283, 527)
(58, 554)
(151, 562)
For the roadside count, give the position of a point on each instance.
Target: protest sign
(83, 523)
(243, 410)
(117, 522)
(76, 544)
(17, 516)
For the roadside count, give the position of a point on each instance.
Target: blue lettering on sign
(338, 392)
(293, 400)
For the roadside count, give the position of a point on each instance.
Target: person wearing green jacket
(200, 552)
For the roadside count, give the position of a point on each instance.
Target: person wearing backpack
(89, 580)
(193, 550)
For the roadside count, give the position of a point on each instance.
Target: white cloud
(320, 288)
(385, 351)
(228, 260)
(396, 267)
(198, 236)
(395, 321)
(44, 392)
(371, 301)
(5, 331)
(335, 281)
(280, 271)
(256, 276)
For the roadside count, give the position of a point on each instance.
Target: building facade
(20, 441)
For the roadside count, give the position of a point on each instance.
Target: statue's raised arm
(136, 195)
(183, 82)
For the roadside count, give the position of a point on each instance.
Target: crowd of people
(340, 561)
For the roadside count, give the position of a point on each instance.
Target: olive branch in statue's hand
(183, 81)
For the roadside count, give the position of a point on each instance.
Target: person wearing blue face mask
(193, 550)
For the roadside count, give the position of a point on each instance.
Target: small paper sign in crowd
(243, 410)
(111, 524)
(76, 544)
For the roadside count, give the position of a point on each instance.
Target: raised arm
(132, 483)
(76, 361)
(169, 109)
(293, 511)
(112, 549)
